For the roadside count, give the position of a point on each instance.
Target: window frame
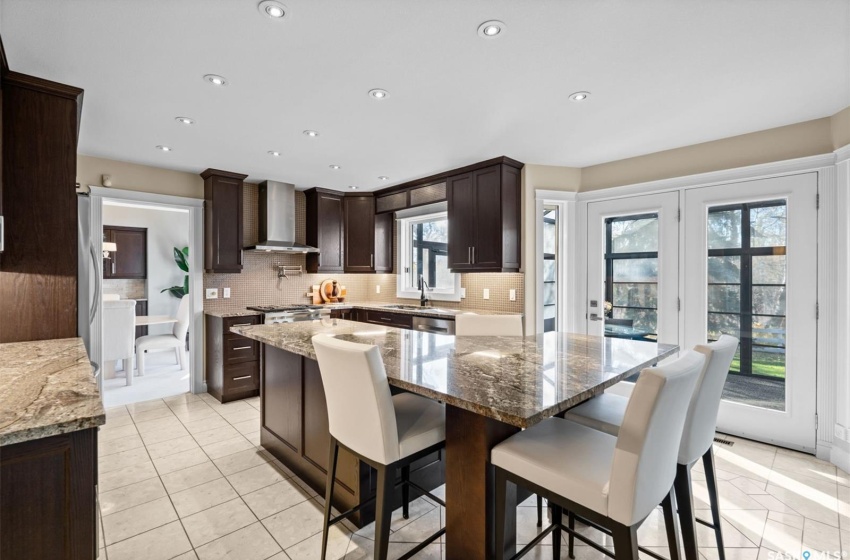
(403, 286)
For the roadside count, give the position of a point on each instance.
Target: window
(746, 286)
(550, 268)
(631, 272)
(424, 251)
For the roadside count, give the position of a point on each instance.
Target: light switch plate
(486, 293)
(378, 289)
(212, 293)
(511, 295)
(225, 293)
(462, 293)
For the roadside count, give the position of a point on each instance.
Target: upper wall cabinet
(484, 219)
(130, 260)
(222, 220)
(359, 233)
(325, 230)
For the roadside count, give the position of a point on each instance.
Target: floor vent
(722, 441)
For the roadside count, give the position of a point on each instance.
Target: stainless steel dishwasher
(433, 325)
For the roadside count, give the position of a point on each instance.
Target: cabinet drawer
(240, 349)
(391, 319)
(228, 322)
(242, 377)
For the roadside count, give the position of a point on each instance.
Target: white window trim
(403, 291)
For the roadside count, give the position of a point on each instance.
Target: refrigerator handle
(94, 260)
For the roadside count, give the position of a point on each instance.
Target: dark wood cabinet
(130, 260)
(232, 361)
(368, 237)
(141, 311)
(484, 219)
(400, 320)
(38, 286)
(222, 220)
(325, 230)
(48, 488)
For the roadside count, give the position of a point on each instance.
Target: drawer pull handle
(242, 348)
(241, 325)
(243, 377)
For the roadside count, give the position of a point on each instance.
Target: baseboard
(840, 458)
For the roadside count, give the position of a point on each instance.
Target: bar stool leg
(539, 510)
(557, 518)
(625, 542)
(714, 499)
(500, 499)
(383, 509)
(671, 523)
(572, 539)
(685, 501)
(405, 491)
(329, 493)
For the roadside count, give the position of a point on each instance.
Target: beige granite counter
(46, 388)
(232, 313)
(516, 380)
(436, 311)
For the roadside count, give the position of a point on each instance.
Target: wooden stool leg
(572, 539)
(329, 493)
(625, 542)
(539, 510)
(383, 510)
(685, 501)
(714, 499)
(671, 522)
(405, 491)
(557, 519)
(501, 483)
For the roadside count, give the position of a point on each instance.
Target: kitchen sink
(405, 307)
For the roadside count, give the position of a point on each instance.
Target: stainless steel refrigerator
(89, 283)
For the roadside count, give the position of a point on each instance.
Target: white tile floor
(163, 378)
(184, 478)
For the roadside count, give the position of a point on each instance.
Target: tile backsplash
(258, 283)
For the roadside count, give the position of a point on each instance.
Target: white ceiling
(662, 74)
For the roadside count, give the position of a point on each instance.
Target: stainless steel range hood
(277, 220)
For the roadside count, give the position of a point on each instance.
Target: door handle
(242, 348)
(595, 317)
(241, 325)
(372, 260)
(473, 255)
(242, 377)
(97, 281)
(469, 255)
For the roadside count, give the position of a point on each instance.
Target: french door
(751, 257)
(633, 268)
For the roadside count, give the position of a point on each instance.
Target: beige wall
(534, 177)
(840, 125)
(135, 177)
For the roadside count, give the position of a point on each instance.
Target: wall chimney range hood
(277, 220)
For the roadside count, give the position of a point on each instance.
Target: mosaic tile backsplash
(258, 283)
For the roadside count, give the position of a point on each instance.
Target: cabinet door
(359, 234)
(222, 224)
(281, 385)
(330, 233)
(461, 198)
(130, 260)
(384, 242)
(487, 247)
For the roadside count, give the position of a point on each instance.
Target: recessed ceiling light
(274, 153)
(164, 148)
(274, 10)
(490, 29)
(216, 80)
(384, 178)
(379, 93)
(334, 166)
(579, 96)
(311, 133)
(352, 187)
(184, 120)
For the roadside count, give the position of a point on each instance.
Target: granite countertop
(46, 388)
(516, 380)
(438, 312)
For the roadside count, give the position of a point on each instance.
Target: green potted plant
(181, 257)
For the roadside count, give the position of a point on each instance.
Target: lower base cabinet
(48, 498)
(294, 420)
(232, 361)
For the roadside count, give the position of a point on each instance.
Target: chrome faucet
(423, 299)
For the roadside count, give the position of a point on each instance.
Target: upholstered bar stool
(607, 412)
(386, 431)
(613, 482)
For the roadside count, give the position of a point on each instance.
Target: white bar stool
(606, 413)
(390, 431)
(613, 482)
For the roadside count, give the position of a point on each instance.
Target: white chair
(470, 324)
(119, 332)
(386, 431)
(607, 411)
(614, 482)
(111, 297)
(175, 340)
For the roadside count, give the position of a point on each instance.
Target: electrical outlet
(486, 293)
(212, 293)
(840, 432)
(463, 293)
(378, 289)
(511, 295)
(225, 293)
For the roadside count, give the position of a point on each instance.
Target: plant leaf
(181, 259)
(186, 284)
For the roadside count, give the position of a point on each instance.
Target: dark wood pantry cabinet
(484, 218)
(325, 230)
(222, 220)
(368, 238)
(130, 260)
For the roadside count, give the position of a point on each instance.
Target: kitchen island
(50, 408)
(492, 387)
